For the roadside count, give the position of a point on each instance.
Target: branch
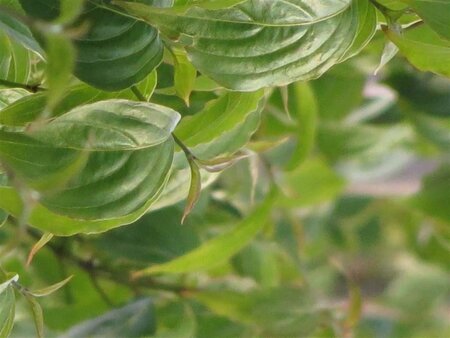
(34, 88)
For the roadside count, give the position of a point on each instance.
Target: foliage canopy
(263, 125)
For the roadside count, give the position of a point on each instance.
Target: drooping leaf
(38, 315)
(194, 189)
(217, 250)
(260, 43)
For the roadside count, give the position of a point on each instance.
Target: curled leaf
(38, 246)
(194, 190)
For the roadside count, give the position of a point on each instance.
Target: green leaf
(106, 59)
(130, 150)
(18, 32)
(29, 108)
(157, 237)
(194, 189)
(45, 10)
(302, 104)
(46, 237)
(260, 43)
(7, 280)
(50, 289)
(60, 63)
(435, 13)
(7, 311)
(217, 250)
(38, 315)
(223, 127)
(15, 61)
(185, 75)
(9, 96)
(136, 319)
(148, 85)
(424, 49)
(367, 26)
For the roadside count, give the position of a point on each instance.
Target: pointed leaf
(50, 289)
(217, 250)
(194, 190)
(47, 237)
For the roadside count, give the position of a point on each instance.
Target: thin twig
(34, 88)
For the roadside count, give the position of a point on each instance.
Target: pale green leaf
(7, 312)
(424, 49)
(185, 75)
(436, 13)
(217, 250)
(49, 289)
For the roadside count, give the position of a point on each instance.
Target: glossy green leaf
(260, 43)
(367, 26)
(129, 148)
(30, 108)
(424, 49)
(106, 59)
(217, 250)
(18, 32)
